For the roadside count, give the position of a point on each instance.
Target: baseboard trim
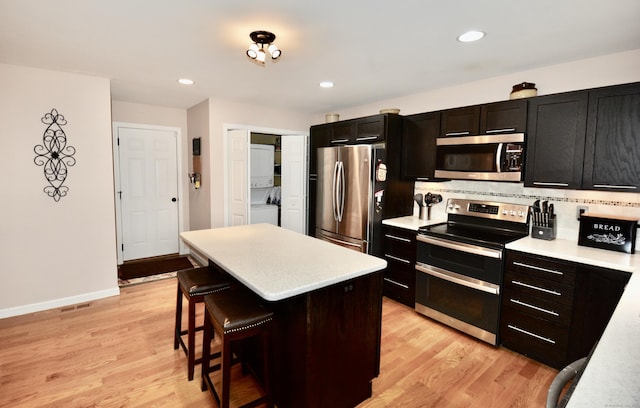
(55, 303)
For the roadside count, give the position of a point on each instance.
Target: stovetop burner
(472, 234)
(491, 224)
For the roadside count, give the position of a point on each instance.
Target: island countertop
(277, 263)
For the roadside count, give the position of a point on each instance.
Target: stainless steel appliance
(350, 196)
(496, 157)
(460, 264)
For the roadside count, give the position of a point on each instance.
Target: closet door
(238, 178)
(293, 190)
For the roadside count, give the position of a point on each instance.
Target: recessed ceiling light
(326, 84)
(185, 81)
(471, 36)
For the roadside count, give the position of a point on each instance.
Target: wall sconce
(194, 177)
(256, 51)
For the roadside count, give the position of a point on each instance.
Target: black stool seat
(235, 315)
(201, 281)
(194, 284)
(237, 310)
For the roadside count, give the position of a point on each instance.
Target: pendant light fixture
(262, 39)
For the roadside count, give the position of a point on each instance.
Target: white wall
(200, 199)
(606, 70)
(55, 253)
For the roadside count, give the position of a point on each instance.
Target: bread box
(608, 232)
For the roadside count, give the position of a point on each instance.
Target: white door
(293, 191)
(238, 179)
(148, 192)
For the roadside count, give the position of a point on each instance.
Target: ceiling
(372, 50)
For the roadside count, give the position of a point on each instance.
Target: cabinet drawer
(400, 251)
(533, 337)
(540, 267)
(539, 308)
(400, 245)
(540, 288)
(400, 283)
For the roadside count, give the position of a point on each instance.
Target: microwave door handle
(499, 157)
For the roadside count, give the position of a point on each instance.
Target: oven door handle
(458, 279)
(461, 246)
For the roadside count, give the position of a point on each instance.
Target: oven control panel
(488, 209)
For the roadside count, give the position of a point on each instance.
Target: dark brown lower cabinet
(326, 344)
(399, 251)
(597, 294)
(555, 311)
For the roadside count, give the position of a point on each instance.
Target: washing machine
(264, 213)
(261, 212)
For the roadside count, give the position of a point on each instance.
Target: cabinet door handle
(395, 258)
(402, 285)
(465, 133)
(526, 285)
(525, 304)
(544, 183)
(538, 268)
(397, 238)
(340, 141)
(614, 186)
(528, 333)
(363, 138)
(489, 131)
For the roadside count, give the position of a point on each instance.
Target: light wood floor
(118, 352)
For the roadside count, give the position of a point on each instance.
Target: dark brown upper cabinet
(555, 140)
(370, 129)
(586, 140)
(342, 132)
(503, 117)
(460, 121)
(612, 149)
(419, 133)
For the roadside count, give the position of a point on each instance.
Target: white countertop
(410, 222)
(569, 250)
(277, 263)
(612, 376)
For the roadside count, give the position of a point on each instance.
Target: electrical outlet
(581, 209)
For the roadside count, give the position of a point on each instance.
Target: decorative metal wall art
(54, 155)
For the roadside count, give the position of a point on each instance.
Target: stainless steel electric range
(460, 264)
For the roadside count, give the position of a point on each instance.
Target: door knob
(173, 199)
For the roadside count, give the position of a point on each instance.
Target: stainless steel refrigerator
(350, 196)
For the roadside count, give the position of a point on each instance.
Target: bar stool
(194, 284)
(234, 315)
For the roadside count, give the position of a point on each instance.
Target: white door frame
(250, 129)
(116, 173)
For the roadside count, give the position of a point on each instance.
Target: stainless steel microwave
(484, 157)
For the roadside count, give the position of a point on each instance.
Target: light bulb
(274, 51)
(252, 52)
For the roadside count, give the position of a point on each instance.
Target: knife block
(545, 232)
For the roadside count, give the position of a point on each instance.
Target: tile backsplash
(565, 202)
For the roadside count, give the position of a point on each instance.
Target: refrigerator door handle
(334, 191)
(342, 191)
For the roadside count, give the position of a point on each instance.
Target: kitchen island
(327, 303)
